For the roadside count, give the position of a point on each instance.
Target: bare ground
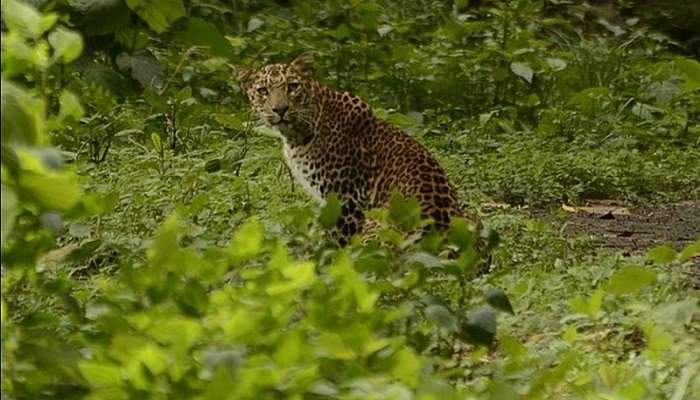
(635, 229)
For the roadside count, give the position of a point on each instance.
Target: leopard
(332, 142)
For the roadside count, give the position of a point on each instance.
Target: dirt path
(616, 226)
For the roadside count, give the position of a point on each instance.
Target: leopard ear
(243, 75)
(303, 63)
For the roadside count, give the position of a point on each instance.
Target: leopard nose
(280, 109)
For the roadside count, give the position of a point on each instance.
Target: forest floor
(615, 225)
(630, 229)
(619, 226)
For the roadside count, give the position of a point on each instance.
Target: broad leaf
(498, 299)
(691, 71)
(330, 212)
(143, 67)
(100, 375)
(480, 327)
(523, 70)
(202, 33)
(158, 14)
(9, 211)
(630, 279)
(247, 241)
(662, 254)
(442, 317)
(100, 17)
(67, 45)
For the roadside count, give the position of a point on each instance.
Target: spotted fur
(333, 143)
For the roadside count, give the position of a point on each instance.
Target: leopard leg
(350, 222)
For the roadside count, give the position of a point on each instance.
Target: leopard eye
(262, 90)
(292, 87)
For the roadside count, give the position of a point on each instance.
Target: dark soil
(636, 229)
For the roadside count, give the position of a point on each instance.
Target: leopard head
(281, 95)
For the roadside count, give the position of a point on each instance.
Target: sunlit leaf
(523, 70)
(330, 212)
(100, 375)
(67, 45)
(22, 116)
(24, 18)
(662, 254)
(70, 106)
(630, 279)
(247, 241)
(691, 250)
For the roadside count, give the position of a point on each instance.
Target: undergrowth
(162, 250)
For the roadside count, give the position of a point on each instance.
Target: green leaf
(512, 347)
(53, 191)
(100, 204)
(556, 64)
(213, 165)
(158, 14)
(589, 98)
(109, 78)
(462, 233)
(480, 327)
(153, 357)
(254, 23)
(523, 70)
(143, 67)
(502, 391)
(156, 142)
(658, 339)
(202, 33)
(441, 317)
(298, 276)
(247, 241)
(662, 254)
(67, 45)
(21, 17)
(590, 307)
(70, 106)
(22, 116)
(497, 299)
(330, 212)
(332, 345)
(630, 279)
(100, 375)
(100, 17)
(691, 250)
(691, 72)
(679, 313)
(406, 213)
(425, 259)
(8, 204)
(595, 302)
(406, 366)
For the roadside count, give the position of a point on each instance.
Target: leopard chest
(300, 162)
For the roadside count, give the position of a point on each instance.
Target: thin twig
(171, 78)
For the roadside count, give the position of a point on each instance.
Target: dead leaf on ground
(602, 209)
